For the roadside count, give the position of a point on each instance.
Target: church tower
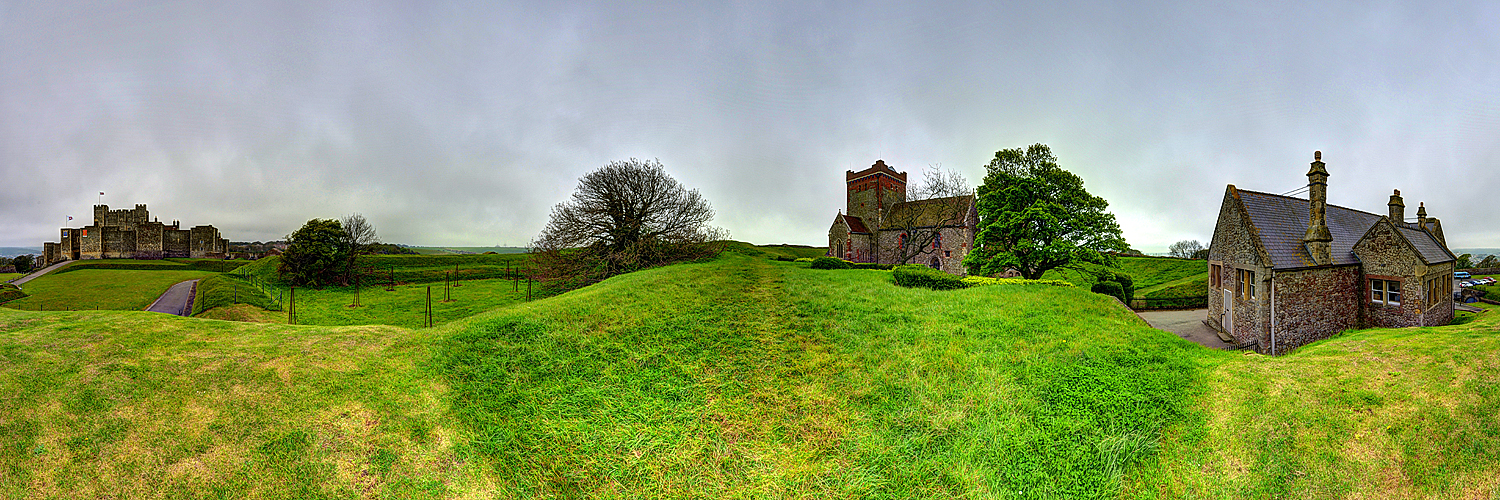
(872, 191)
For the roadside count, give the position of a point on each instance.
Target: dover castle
(132, 234)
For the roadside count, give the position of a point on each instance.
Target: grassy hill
(1165, 280)
(741, 377)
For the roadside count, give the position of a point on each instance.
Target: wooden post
(455, 275)
(429, 305)
(356, 291)
(291, 307)
(528, 286)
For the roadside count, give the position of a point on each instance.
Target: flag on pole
(70, 217)
(101, 193)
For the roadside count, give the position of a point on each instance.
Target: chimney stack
(1318, 240)
(1421, 215)
(1398, 208)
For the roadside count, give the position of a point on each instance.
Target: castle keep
(132, 234)
(1284, 272)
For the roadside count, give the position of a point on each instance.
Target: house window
(1244, 285)
(1438, 289)
(1385, 292)
(1214, 280)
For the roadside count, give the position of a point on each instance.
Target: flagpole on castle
(101, 198)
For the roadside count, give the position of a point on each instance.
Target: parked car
(1463, 275)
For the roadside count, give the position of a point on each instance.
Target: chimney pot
(1317, 156)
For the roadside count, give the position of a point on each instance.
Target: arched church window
(901, 241)
(937, 241)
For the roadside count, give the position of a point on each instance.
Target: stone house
(1284, 271)
(879, 225)
(132, 234)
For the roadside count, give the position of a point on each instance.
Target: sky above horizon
(462, 124)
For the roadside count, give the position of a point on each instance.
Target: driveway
(1186, 324)
(37, 274)
(177, 300)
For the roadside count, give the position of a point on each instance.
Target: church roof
(1281, 222)
(856, 224)
(949, 212)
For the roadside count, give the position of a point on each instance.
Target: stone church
(879, 225)
(132, 234)
(1284, 271)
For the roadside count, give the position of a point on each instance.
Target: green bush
(784, 258)
(973, 281)
(917, 275)
(1110, 288)
(830, 263)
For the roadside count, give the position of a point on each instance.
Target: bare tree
(625, 216)
(359, 234)
(1185, 249)
(943, 200)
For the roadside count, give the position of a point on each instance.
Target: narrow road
(37, 274)
(177, 300)
(1186, 324)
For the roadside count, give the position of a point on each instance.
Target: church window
(901, 241)
(937, 241)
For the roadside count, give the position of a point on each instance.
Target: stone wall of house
(1387, 256)
(1232, 248)
(1311, 305)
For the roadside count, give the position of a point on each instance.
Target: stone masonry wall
(1233, 247)
(1313, 304)
(90, 243)
(148, 240)
(175, 243)
(1386, 256)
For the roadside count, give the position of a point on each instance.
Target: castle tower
(872, 191)
(1319, 240)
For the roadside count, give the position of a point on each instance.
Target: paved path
(1186, 324)
(177, 300)
(37, 274)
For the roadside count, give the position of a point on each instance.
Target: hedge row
(1199, 302)
(973, 281)
(916, 275)
(837, 263)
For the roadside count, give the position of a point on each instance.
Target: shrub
(10, 291)
(784, 258)
(917, 275)
(1109, 288)
(804, 259)
(1127, 285)
(973, 281)
(830, 263)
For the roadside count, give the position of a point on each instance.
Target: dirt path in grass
(177, 300)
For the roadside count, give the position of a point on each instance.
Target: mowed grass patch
(10, 276)
(749, 378)
(108, 289)
(142, 405)
(1382, 413)
(406, 306)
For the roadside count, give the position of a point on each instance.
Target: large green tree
(1035, 216)
(318, 254)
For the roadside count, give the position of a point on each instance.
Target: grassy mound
(741, 377)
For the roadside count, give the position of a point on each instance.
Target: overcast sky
(463, 123)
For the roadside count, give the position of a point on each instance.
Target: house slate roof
(1281, 222)
(1431, 251)
(920, 214)
(856, 224)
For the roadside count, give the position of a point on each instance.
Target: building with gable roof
(879, 225)
(1284, 271)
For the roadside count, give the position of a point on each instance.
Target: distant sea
(14, 251)
(1476, 251)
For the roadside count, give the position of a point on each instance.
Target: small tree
(1465, 261)
(1185, 249)
(317, 255)
(625, 216)
(23, 263)
(1035, 216)
(1488, 262)
(359, 237)
(944, 199)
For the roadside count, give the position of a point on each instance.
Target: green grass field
(109, 289)
(332, 306)
(746, 378)
(9, 276)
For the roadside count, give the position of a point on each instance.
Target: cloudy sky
(463, 123)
